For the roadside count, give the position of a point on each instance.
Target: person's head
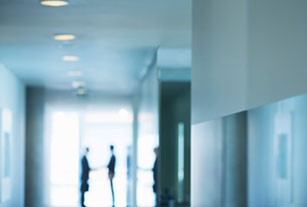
(156, 151)
(86, 150)
(111, 148)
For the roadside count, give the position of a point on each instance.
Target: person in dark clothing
(85, 171)
(111, 172)
(155, 171)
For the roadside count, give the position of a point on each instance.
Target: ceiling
(116, 40)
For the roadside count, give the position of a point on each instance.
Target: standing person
(155, 171)
(111, 173)
(129, 176)
(85, 171)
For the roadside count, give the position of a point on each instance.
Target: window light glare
(54, 3)
(123, 112)
(70, 58)
(64, 37)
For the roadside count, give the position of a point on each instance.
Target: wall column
(34, 192)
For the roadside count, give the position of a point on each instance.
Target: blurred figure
(155, 171)
(167, 199)
(128, 162)
(129, 176)
(111, 173)
(85, 170)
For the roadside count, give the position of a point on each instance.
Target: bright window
(64, 160)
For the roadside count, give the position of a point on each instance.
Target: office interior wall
(206, 164)
(276, 154)
(277, 50)
(35, 142)
(12, 96)
(235, 160)
(254, 158)
(219, 162)
(246, 53)
(219, 58)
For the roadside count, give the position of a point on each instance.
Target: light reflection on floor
(99, 193)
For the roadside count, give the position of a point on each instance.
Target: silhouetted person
(111, 173)
(129, 176)
(128, 162)
(155, 171)
(85, 171)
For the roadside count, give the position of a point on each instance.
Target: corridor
(190, 103)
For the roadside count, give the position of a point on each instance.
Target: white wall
(271, 170)
(266, 124)
(12, 96)
(235, 159)
(206, 164)
(219, 162)
(277, 50)
(246, 53)
(219, 58)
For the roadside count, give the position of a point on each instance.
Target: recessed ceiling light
(78, 84)
(70, 58)
(81, 91)
(54, 2)
(64, 37)
(75, 73)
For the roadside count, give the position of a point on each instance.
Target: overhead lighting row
(64, 37)
(54, 3)
(79, 86)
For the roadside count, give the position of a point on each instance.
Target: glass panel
(180, 162)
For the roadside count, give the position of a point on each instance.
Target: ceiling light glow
(78, 84)
(64, 37)
(81, 91)
(54, 2)
(70, 58)
(75, 73)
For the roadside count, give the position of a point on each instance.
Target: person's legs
(112, 191)
(156, 199)
(82, 199)
(84, 188)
